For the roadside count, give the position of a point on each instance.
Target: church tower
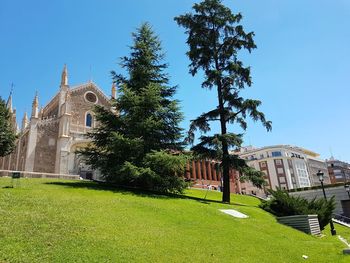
(64, 88)
(64, 76)
(9, 103)
(35, 107)
(12, 112)
(114, 91)
(33, 134)
(64, 116)
(24, 121)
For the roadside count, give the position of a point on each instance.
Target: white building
(285, 166)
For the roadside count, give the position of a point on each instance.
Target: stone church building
(48, 140)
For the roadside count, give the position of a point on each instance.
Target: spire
(66, 105)
(114, 91)
(9, 102)
(67, 98)
(35, 106)
(24, 121)
(14, 120)
(64, 77)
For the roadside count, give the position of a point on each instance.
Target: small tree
(143, 124)
(214, 38)
(7, 134)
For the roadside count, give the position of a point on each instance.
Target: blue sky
(300, 69)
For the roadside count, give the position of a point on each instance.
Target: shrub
(282, 204)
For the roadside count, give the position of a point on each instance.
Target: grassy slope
(62, 221)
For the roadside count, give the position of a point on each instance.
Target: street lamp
(347, 189)
(321, 178)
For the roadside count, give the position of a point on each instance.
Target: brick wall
(45, 151)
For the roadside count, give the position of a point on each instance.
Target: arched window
(88, 120)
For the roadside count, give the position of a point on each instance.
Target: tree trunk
(225, 154)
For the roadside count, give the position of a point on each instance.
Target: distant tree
(214, 38)
(7, 134)
(143, 126)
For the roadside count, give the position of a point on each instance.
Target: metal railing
(342, 218)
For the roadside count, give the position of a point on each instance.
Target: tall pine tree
(143, 125)
(146, 105)
(214, 38)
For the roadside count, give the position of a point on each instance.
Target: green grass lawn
(69, 221)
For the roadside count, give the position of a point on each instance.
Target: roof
(283, 146)
(89, 84)
(75, 88)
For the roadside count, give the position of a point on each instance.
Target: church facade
(48, 140)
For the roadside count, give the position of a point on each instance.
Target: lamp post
(347, 189)
(320, 177)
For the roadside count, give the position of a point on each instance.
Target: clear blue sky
(300, 69)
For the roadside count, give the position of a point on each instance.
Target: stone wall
(13, 158)
(79, 104)
(10, 162)
(6, 162)
(45, 151)
(51, 109)
(337, 191)
(8, 173)
(23, 142)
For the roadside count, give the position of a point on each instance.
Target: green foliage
(252, 175)
(165, 163)
(146, 108)
(7, 135)
(215, 36)
(282, 204)
(160, 172)
(144, 120)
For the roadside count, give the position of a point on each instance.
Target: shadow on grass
(101, 186)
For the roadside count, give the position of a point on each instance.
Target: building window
(278, 162)
(276, 154)
(280, 170)
(252, 157)
(90, 97)
(263, 164)
(88, 121)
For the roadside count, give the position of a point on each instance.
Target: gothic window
(88, 121)
(90, 97)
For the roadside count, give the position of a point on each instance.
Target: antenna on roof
(331, 152)
(90, 80)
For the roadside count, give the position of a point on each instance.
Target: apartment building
(286, 166)
(339, 171)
